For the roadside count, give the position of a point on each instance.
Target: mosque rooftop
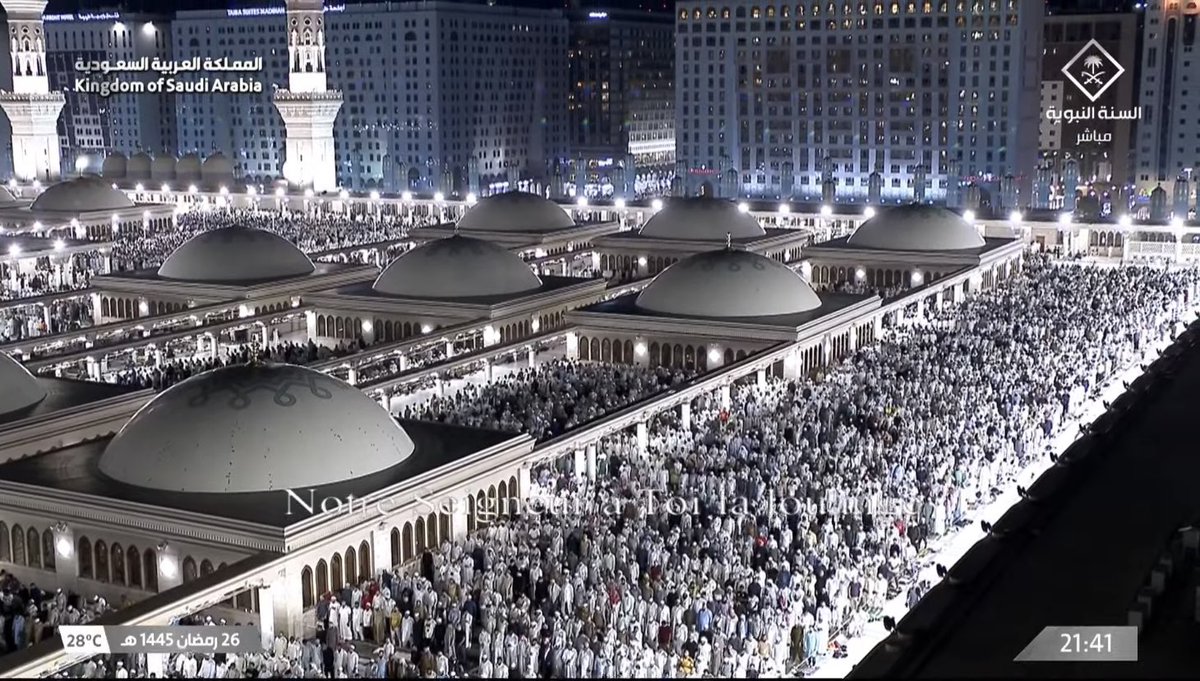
(830, 303)
(63, 393)
(76, 469)
(150, 274)
(549, 284)
(845, 244)
(1084, 564)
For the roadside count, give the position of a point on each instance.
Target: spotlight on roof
(1064, 219)
(166, 188)
(251, 191)
(969, 215)
(81, 164)
(223, 190)
(826, 211)
(279, 191)
(1177, 223)
(406, 196)
(743, 207)
(471, 198)
(582, 202)
(14, 250)
(784, 209)
(656, 205)
(620, 204)
(138, 187)
(374, 194)
(343, 195)
(148, 28)
(1015, 216)
(714, 355)
(869, 213)
(308, 193)
(59, 244)
(439, 197)
(192, 189)
(1125, 221)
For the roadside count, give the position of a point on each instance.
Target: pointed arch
(206, 567)
(5, 545)
(83, 552)
(18, 545)
(419, 536)
(117, 564)
(395, 547)
(365, 558)
(133, 562)
(150, 569)
(49, 557)
(306, 588)
(33, 547)
(322, 578)
(407, 544)
(351, 562)
(189, 569)
(335, 572)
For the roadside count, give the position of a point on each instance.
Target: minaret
(307, 107)
(31, 108)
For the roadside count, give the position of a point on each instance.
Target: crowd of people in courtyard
(760, 534)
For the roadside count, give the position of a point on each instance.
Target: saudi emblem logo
(1093, 70)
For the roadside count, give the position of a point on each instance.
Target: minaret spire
(31, 107)
(729, 240)
(308, 108)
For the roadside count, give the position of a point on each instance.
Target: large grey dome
(163, 167)
(255, 428)
(114, 166)
(233, 254)
(217, 168)
(21, 389)
(458, 267)
(81, 195)
(516, 212)
(138, 166)
(728, 284)
(188, 168)
(702, 218)
(916, 227)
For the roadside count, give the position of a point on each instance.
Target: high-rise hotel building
(438, 96)
(1168, 144)
(808, 100)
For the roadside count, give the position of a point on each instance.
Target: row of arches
(550, 321)
(515, 331)
(273, 307)
(27, 547)
(346, 328)
(388, 331)
(786, 255)
(345, 568)
(117, 565)
(828, 275)
(123, 308)
(692, 357)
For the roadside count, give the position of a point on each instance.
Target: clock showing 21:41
(1082, 644)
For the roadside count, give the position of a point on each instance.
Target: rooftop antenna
(729, 240)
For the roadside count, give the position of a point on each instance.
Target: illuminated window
(770, 11)
(755, 13)
(712, 12)
(724, 12)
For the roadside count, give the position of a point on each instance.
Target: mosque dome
(217, 167)
(80, 195)
(21, 389)
(255, 428)
(728, 284)
(458, 267)
(163, 167)
(702, 218)
(114, 167)
(516, 212)
(916, 227)
(188, 168)
(234, 254)
(138, 167)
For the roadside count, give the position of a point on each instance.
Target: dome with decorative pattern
(916, 227)
(728, 284)
(80, 195)
(516, 212)
(233, 254)
(458, 267)
(255, 428)
(21, 388)
(702, 218)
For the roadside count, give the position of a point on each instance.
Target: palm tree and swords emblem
(1093, 70)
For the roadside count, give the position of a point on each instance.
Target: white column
(352, 376)
(524, 484)
(403, 362)
(266, 615)
(381, 549)
(643, 438)
(449, 349)
(685, 415)
(487, 370)
(286, 604)
(827, 350)
(96, 310)
(158, 356)
(878, 322)
(47, 317)
(580, 463)
(458, 519)
(532, 358)
(93, 369)
(762, 377)
(440, 384)
(572, 345)
(726, 397)
(591, 462)
(853, 331)
(66, 563)
(385, 402)
(310, 324)
(920, 307)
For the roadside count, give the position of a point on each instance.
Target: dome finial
(729, 240)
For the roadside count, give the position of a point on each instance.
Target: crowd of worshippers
(549, 399)
(43, 279)
(175, 369)
(29, 321)
(30, 614)
(806, 505)
(312, 232)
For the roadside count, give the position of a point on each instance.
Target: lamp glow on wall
(374, 194)
(439, 197)
(168, 567)
(1064, 219)
(639, 349)
(714, 354)
(969, 215)
(1125, 221)
(406, 197)
(81, 164)
(367, 326)
(166, 188)
(59, 244)
(869, 213)
(826, 211)
(471, 198)
(656, 205)
(743, 207)
(425, 328)
(620, 204)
